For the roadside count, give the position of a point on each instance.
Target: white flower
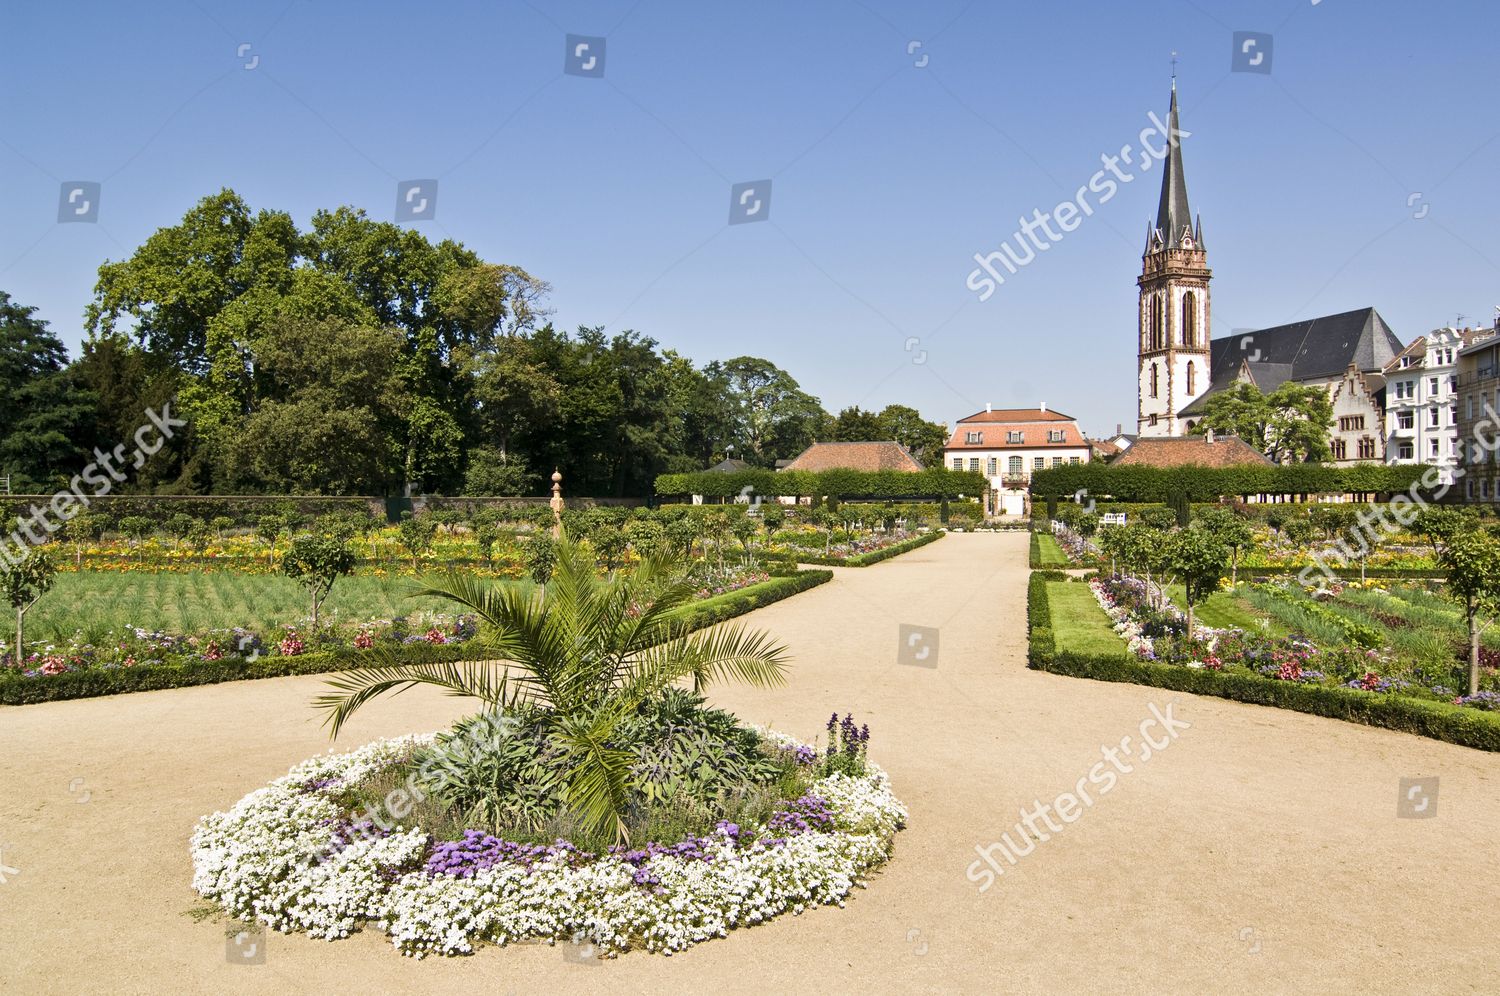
(273, 857)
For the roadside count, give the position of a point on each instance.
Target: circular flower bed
(290, 857)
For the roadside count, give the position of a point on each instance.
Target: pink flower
(435, 635)
(364, 641)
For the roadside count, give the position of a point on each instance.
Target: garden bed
(293, 856)
(871, 557)
(1055, 647)
(183, 664)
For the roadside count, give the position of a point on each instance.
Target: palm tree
(586, 650)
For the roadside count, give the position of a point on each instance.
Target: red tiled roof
(886, 455)
(1190, 451)
(993, 435)
(1018, 415)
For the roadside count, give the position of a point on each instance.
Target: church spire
(1173, 218)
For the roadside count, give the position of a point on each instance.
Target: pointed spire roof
(1173, 217)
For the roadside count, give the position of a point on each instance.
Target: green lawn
(1224, 609)
(96, 603)
(1078, 623)
(1051, 553)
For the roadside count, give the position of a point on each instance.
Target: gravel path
(1259, 850)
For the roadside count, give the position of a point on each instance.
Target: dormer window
(1014, 436)
(973, 438)
(1054, 435)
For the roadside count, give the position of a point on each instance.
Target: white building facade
(1008, 445)
(1421, 403)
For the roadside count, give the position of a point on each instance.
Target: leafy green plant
(137, 529)
(541, 557)
(416, 533)
(316, 562)
(1472, 559)
(587, 652)
(26, 581)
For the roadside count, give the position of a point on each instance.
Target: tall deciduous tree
(45, 411)
(1289, 425)
(777, 419)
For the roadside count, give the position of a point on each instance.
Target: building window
(1013, 436)
(1015, 466)
(1433, 446)
(1433, 419)
(1057, 461)
(1367, 448)
(1404, 451)
(1351, 423)
(1404, 420)
(1153, 381)
(1340, 449)
(994, 466)
(1153, 420)
(1432, 386)
(1470, 487)
(1190, 323)
(1156, 322)
(958, 463)
(1075, 460)
(1405, 362)
(1484, 488)
(1192, 378)
(1055, 435)
(1037, 463)
(973, 463)
(973, 438)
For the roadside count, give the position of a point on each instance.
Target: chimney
(1119, 428)
(1044, 406)
(986, 406)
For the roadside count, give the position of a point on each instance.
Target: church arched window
(1153, 380)
(1156, 322)
(1192, 378)
(1190, 320)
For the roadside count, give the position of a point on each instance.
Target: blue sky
(1360, 171)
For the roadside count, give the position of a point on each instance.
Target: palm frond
(487, 681)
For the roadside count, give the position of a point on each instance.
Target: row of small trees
(1199, 548)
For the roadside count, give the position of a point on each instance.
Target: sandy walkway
(1260, 851)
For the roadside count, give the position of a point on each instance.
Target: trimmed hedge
(1454, 724)
(873, 557)
(737, 603)
(17, 690)
(1205, 484)
(935, 482)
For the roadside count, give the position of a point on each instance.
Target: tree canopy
(356, 356)
(1289, 425)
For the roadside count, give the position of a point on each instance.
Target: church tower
(1172, 321)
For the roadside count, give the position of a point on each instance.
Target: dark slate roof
(728, 466)
(1173, 216)
(1318, 348)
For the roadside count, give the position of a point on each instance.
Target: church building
(1179, 367)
